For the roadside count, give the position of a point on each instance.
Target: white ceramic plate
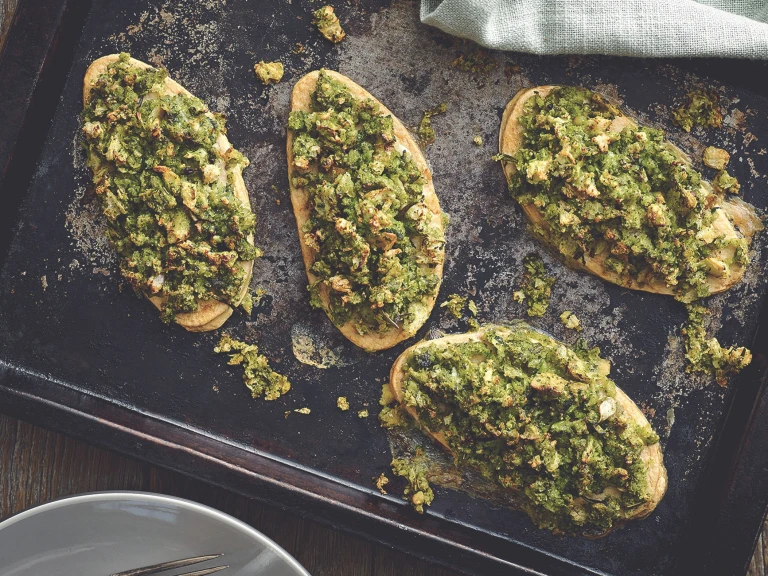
(107, 532)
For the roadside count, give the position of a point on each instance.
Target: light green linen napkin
(669, 28)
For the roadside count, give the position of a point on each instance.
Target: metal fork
(156, 568)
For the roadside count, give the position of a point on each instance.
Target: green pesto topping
(375, 241)
(716, 158)
(476, 61)
(706, 354)
(455, 305)
(260, 379)
(328, 24)
(536, 287)
(538, 418)
(700, 108)
(417, 490)
(166, 188)
(622, 195)
(426, 132)
(342, 403)
(724, 182)
(269, 72)
(570, 320)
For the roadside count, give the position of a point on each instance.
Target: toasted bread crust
(510, 139)
(300, 100)
(210, 314)
(651, 455)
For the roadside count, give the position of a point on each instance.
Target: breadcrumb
(716, 158)
(328, 24)
(381, 481)
(269, 72)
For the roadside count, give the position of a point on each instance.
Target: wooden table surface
(37, 465)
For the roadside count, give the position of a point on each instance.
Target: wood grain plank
(37, 466)
(7, 10)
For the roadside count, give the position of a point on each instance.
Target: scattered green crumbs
(472, 323)
(381, 481)
(342, 403)
(391, 416)
(716, 158)
(269, 72)
(535, 417)
(375, 242)
(363, 413)
(455, 305)
(570, 320)
(417, 490)
(165, 176)
(699, 108)
(328, 24)
(426, 132)
(476, 61)
(707, 354)
(724, 182)
(252, 298)
(260, 379)
(477, 140)
(536, 287)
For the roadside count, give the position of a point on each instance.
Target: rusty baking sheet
(80, 355)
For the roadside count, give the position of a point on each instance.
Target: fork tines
(156, 568)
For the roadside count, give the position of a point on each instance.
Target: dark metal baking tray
(79, 355)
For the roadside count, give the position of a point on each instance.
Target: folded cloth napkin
(669, 28)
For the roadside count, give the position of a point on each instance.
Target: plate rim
(138, 495)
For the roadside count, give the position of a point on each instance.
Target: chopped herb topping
(535, 417)
(536, 287)
(455, 305)
(258, 376)
(165, 173)
(269, 72)
(417, 490)
(328, 24)
(706, 354)
(611, 190)
(570, 320)
(426, 132)
(342, 403)
(700, 108)
(724, 182)
(716, 158)
(375, 241)
(472, 307)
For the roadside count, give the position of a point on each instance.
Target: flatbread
(732, 211)
(210, 314)
(651, 455)
(300, 100)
